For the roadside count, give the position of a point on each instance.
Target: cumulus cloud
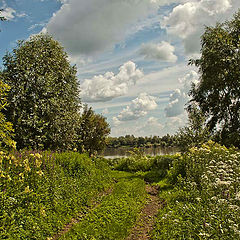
(138, 108)
(87, 27)
(163, 51)
(180, 97)
(8, 13)
(151, 127)
(187, 20)
(105, 111)
(105, 87)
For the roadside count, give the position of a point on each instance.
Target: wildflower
(43, 212)
(38, 163)
(27, 190)
(38, 155)
(40, 173)
(2, 174)
(21, 175)
(238, 196)
(27, 168)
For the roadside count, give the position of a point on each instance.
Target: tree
(93, 131)
(218, 93)
(6, 130)
(195, 133)
(44, 96)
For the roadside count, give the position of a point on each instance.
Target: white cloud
(87, 27)
(180, 97)
(105, 111)
(138, 108)
(163, 51)
(8, 13)
(187, 20)
(151, 127)
(105, 87)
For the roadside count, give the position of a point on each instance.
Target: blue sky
(131, 55)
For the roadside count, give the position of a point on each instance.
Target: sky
(131, 55)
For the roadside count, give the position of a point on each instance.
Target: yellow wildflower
(38, 163)
(27, 168)
(43, 212)
(40, 173)
(38, 155)
(27, 190)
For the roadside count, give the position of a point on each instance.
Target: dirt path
(144, 225)
(76, 220)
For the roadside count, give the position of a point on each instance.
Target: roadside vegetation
(42, 191)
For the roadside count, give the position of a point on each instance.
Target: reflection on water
(152, 151)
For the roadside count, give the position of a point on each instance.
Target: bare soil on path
(145, 223)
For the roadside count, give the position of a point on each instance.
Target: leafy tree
(93, 131)
(218, 93)
(44, 96)
(195, 133)
(6, 130)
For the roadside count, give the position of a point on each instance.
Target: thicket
(40, 192)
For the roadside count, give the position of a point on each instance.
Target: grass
(116, 215)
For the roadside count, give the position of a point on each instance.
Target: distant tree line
(132, 141)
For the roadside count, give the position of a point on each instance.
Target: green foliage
(138, 162)
(218, 93)
(205, 203)
(115, 216)
(195, 133)
(6, 130)
(92, 131)
(40, 192)
(43, 99)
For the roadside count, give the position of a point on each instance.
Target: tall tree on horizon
(218, 93)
